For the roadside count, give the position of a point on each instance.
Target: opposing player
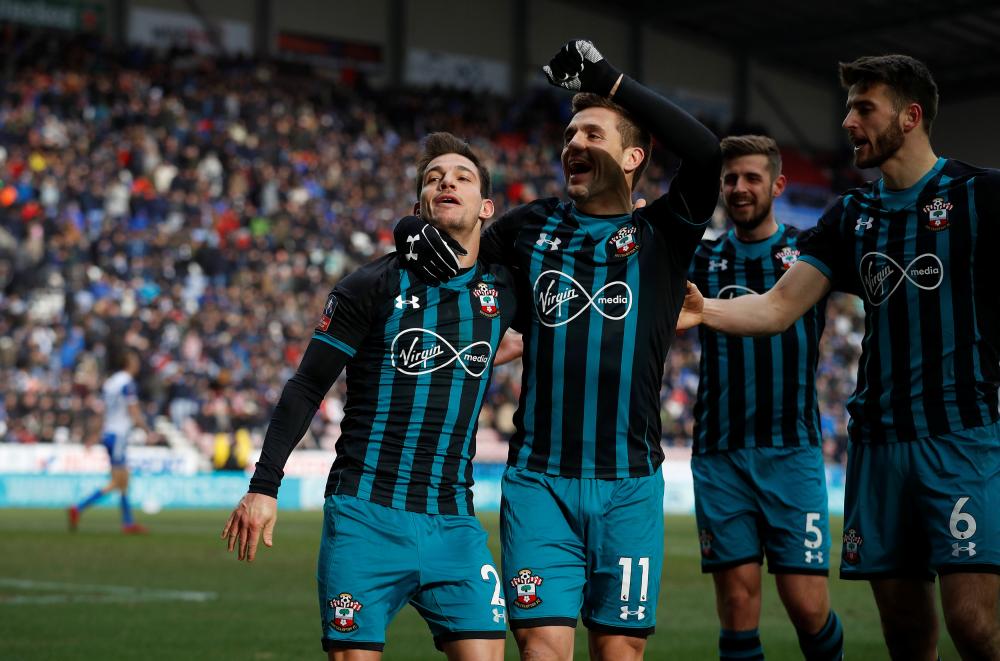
(398, 519)
(923, 480)
(582, 510)
(759, 481)
(122, 414)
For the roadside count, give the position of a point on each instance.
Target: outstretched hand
(580, 67)
(255, 514)
(691, 311)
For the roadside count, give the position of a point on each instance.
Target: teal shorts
(759, 502)
(913, 509)
(582, 547)
(373, 560)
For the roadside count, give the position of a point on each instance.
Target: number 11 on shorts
(626, 565)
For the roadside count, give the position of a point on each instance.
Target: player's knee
(534, 645)
(615, 648)
(738, 600)
(808, 615)
(971, 627)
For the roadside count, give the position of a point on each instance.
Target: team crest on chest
(345, 609)
(937, 214)
(787, 256)
(623, 241)
(488, 298)
(526, 585)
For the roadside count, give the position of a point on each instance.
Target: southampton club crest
(852, 546)
(937, 214)
(787, 256)
(488, 299)
(623, 241)
(345, 608)
(705, 540)
(527, 589)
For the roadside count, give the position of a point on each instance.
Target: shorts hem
(927, 576)
(722, 566)
(452, 636)
(351, 645)
(634, 632)
(536, 622)
(804, 571)
(968, 569)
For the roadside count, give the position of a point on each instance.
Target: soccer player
(121, 414)
(582, 511)
(759, 480)
(399, 524)
(923, 471)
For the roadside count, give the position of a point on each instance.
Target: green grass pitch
(177, 594)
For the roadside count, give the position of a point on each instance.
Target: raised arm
(579, 66)
(758, 314)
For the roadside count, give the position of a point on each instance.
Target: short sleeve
(825, 248)
(349, 310)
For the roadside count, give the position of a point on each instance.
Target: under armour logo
(412, 256)
(814, 557)
(720, 265)
(863, 224)
(956, 549)
(403, 302)
(543, 239)
(499, 615)
(639, 613)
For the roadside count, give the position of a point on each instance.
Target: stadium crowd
(200, 210)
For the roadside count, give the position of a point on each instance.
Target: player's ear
(778, 187)
(486, 210)
(912, 116)
(416, 208)
(633, 159)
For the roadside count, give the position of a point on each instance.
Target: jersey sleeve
(349, 309)
(825, 248)
(680, 235)
(130, 392)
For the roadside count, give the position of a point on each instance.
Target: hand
(691, 311)
(430, 254)
(255, 513)
(580, 67)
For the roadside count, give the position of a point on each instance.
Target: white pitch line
(100, 593)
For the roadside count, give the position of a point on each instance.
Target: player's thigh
(625, 553)
(353, 655)
(726, 512)
(969, 599)
(884, 536)
(366, 572)
(460, 596)
(474, 650)
(790, 484)
(545, 642)
(959, 478)
(119, 477)
(116, 445)
(542, 549)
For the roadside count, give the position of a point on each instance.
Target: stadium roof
(958, 39)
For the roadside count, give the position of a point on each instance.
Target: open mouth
(859, 142)
(441, 200)
(579, 167)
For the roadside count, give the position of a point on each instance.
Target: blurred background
(192, 177)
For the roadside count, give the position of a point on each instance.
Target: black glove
(430, 254)
(580, 67)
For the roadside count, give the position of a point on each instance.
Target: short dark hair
(735, 146)
(908, 79)
(441, 143)
(633, 135)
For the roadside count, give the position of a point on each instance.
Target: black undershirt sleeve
(695, 190)
(302, 395)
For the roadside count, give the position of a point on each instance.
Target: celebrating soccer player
(582, 511)
(923, 473)
(759, 481)
(399, 524)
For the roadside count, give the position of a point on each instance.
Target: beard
(754, 221)
(885, 146)
(607, 179)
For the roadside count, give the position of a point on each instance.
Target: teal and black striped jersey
(755, 392)
(922, 259)
(605, 295)
(420, 361)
